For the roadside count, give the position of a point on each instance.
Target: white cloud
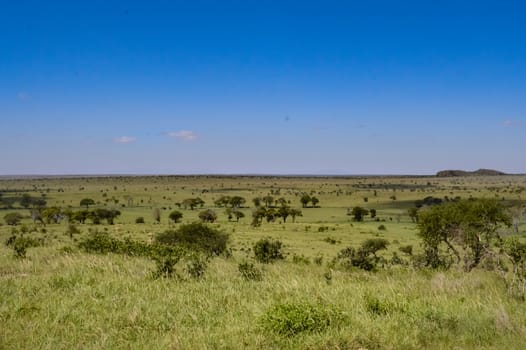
(512, 123)
(184, 135)
(124, 139)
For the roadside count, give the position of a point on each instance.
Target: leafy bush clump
(196, 236)
(365, 257)
(291, 319)
(267, 251)
(139, 220)
(21, 243)
(300, 259)
(103, 243)
(406, 249)
(165, 267)
(196, 267)
(378, 306)
(250, 272)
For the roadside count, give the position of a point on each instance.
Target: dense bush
(21, 243)
(208, 215)
(13, 219)
(267, 251)
(291, 319)
(250, 272)
(364, 257)
(196, 236)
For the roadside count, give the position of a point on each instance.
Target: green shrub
(196, 267)
(250, 272)
(377, 306)
(300, 259)
(267, 251)
(291, 319)
(196, 236)
(139, 220)
(165, 267)
(13, 219)
(21, 243)
(406, 249)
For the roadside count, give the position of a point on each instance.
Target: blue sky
(282, 87)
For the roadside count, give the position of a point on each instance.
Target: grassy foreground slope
(60, 297)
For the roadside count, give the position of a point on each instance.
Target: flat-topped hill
(480, 172)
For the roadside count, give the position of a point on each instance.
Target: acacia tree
(295, 212)
(237, 201)
(86, 202)
(175, 216)
(358, 213)
(470, 224)
(314, 201)
(305, 199)
(268, 200)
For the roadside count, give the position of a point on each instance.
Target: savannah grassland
(60, 297)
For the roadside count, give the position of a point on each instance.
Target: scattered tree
(86, 202)
(175, 216)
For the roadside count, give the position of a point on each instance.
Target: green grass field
(60, 297)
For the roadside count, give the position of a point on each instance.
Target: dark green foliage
(305, 199)
(21, 243)
(413, 214)
(330, 240)
(373, 245)
(351, 257)
(139, 220)
(291, 319)
(382, 227)
(472, 224)
(196, 267)
(358, 213)
(267, 251)
(13, 219)
(103, 243)
(196, 236)
(249, 271)
(193, 203)
(175, 216)
(516, 252)
(165, 267)
(300, 259)
(208, 215)
(365, 257)
(86, 202)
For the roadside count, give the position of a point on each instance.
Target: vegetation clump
(291, 319)
(196, 236)
(250, 272)
(267, 251)
(364, 257)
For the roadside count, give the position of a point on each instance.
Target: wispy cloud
(23, 96)
(184, 135)
(124, 139)
(512, 123)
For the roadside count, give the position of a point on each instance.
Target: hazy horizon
(262, 87)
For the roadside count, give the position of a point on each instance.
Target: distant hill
(458, 173)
